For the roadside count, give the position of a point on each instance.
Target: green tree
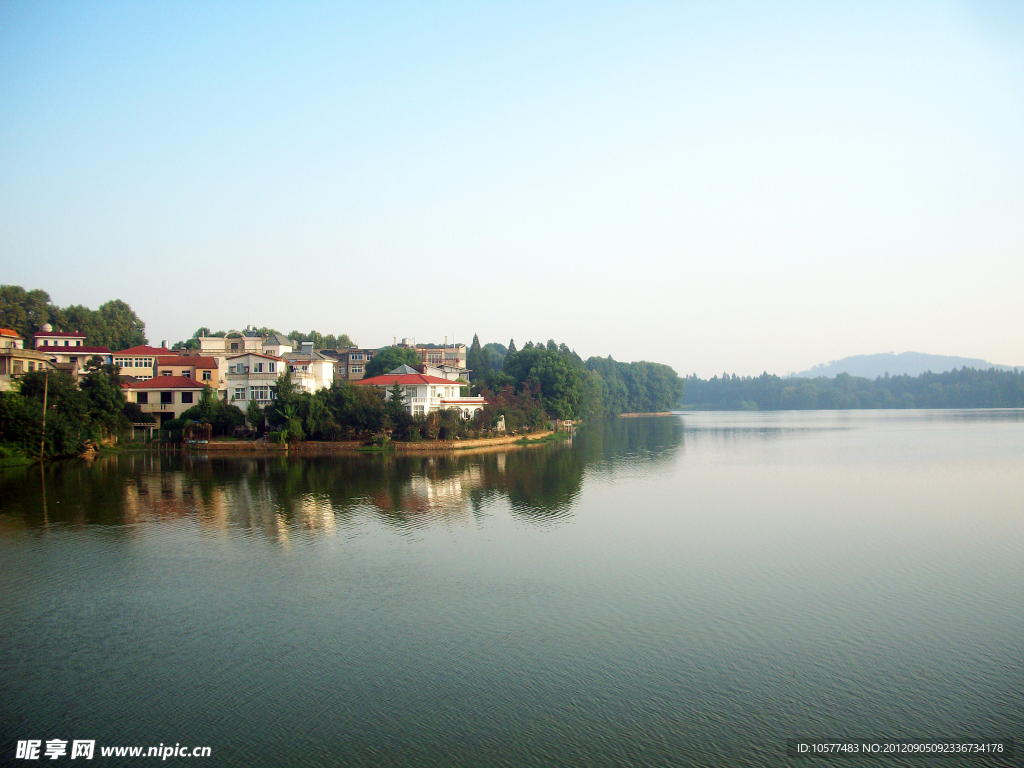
(388, 358)
(121, 327)
(285, 396)
(396, 399)
(68, 423)
(254, 415)
(24, 311)
(560, 383)
(473, 358)
(318, 421)
(496, 354)
(223, 417)
(358, 410)
(101, 386)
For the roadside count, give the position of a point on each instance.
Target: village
(242, 367)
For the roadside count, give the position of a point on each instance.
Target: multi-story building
(276, 344)
(15, 360)
(251, 376)
(235, 343)
(164, 397)
(453, 355)
(67, 350)
(140, 362)
(425, 393)
(220, 348)
(350, 362)
(202, 369)
(311, 370)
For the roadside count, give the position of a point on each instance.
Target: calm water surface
(667, 591)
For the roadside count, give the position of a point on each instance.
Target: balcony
(157, 407)
(250, 375)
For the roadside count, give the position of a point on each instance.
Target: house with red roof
(425, 393)
(139, 362)
(67, 350)
(164, 397)
(203, 369)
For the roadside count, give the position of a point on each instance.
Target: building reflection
(284, 497)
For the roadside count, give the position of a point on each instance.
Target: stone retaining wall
(251, 446)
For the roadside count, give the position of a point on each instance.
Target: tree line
(114, 325)
(962, 388)
(76, 413)
(564, 386)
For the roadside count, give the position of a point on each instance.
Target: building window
(78, 343)
(357, 357)
(31, 366)
(417, 410)
(257, 367)
(187, 374)
(206, 375)
(142, 398)
(272, 367)
(73, 359)
(410, 392)
(166, 398)
(239, 393)
(234, 346)
(165, 373)
(186, 397)
(357, 369)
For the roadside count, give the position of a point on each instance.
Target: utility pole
(46, 392)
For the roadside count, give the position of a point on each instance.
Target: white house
(220, 348)
(67, 349)
(311, 370)
(235, 343)
(252, 376)
(425, 393)
(139, 362)
(277, 345)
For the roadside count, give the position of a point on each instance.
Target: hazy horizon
(736, 188)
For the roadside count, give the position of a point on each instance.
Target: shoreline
(359, 447)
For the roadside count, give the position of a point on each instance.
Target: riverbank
(638, 415)
(229, 447)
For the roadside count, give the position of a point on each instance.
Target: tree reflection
(284, 495)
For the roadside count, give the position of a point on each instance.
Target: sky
(733, 186)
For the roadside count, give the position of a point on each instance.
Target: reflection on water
(275, 493)
(692, 590)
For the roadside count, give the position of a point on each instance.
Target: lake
(687, 590)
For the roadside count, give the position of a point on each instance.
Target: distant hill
(909, 363)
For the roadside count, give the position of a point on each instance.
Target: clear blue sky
(719, 186)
